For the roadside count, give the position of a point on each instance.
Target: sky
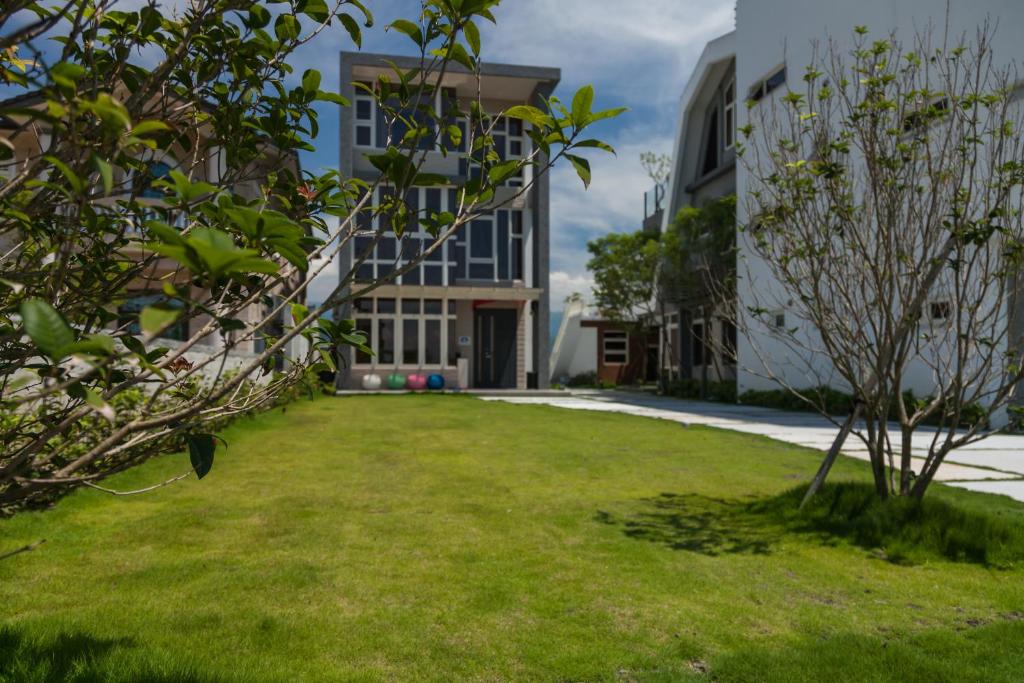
(639, 58)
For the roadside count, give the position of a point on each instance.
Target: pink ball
(416, 382)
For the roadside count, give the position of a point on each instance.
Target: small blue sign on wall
(464, 341)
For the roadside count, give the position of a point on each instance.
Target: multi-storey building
(476, 310)
(747, 69)
(700, 336)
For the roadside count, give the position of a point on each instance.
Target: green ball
(396, 381)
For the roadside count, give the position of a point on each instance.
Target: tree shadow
(700, 524)
(899, 531)
(78, 657)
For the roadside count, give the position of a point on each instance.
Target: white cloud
(563, 284)
(324, 283)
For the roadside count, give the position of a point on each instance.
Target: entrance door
(495, 361)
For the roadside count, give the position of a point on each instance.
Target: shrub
(721, 392)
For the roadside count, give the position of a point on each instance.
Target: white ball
(371, 382)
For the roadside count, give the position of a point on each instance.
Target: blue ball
(435, 382)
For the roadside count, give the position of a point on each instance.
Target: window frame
(729, 114)
(615, 336)
(398, 319)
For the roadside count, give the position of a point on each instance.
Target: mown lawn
(446, 538)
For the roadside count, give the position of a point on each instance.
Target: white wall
(781, 31)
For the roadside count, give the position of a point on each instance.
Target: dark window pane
(412, 203)
(386, 340)
(515, 127)
(128, 315)
(386, 248)
(517, 258)
(437, 255)
(433, 276)
(364, 305)
(481, 239)
(517, 222)
(481, 271)
(385, 305)
(364, 110)
(363, 136)
(362, 244)
(698, 344)
(775, 80)
(411, 248)
(451, 306)
(515, 148)
(410, 306)
(499, 146)
(432, 306)
(365, 272)
(412, 277)
(502, 245)
(433, 200)
(411, 342)
(364, 325)
(432, 342)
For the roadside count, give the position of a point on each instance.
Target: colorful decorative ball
(371, 382)
(396, 381)
(435, 382)
(416, 382)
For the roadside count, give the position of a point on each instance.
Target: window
(729, 126)
(410, 332)
(157, 170)
(729, 340)
(778, 319)
(699, 352)
(710, 161)
(919, 121)
(128, 315)
(615, 348)
(365, 116)
(766, 85)
(940, 310)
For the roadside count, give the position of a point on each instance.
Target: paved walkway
(995, 465)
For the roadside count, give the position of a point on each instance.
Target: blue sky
(639, 58)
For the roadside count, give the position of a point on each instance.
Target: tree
(884, 207)
(158, 148)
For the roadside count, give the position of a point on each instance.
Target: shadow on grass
(79, 657)
(900, 531)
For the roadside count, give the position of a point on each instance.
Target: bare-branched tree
(883, 236)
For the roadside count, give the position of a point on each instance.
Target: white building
(773, 43)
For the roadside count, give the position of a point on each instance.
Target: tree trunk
(906, 451)
(830, 457)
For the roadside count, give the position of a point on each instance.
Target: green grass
(446, 538)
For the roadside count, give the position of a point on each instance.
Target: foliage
(624, 266)
(156, 150)
(285, 557)
(885, 206)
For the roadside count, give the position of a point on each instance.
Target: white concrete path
(995, 465)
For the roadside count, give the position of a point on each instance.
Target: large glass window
(490, 248)
(411, 332)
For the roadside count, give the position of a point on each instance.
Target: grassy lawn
(447, 538)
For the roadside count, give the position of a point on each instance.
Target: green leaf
(529, 114)
(353, 29)
(460, 55)
(325, 96)
(582, 167)
(149, 126)
(200, 453)
(606, 114)
(582, 101)
(46, 327)
(92, 345)
(106, 174)
(311, 80)
(316, 10)
(408, 28)
(299, 313)
(472, 34)
(73, 180)
(156, 318)
(97, 403)
(286, 27)
(596, 144)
